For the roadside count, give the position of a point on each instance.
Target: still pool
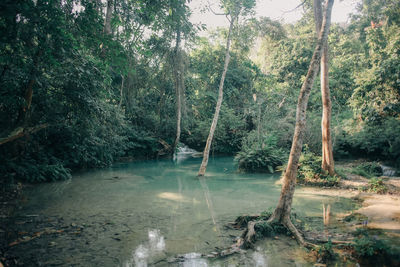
(142, 213)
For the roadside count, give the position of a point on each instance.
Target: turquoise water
(142, 213)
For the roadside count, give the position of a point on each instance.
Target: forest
(104, 88)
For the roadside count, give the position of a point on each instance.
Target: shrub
(33, 171)
(376, 185)
(366, 246)
(373, 250)
(368, 169)
(311, 173)
(325, 252)
(255, 157)
(375, 140)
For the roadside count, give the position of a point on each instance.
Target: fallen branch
(212, 255)
(34, 236)
(20, 132)
(166, 147)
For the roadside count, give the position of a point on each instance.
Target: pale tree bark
(99, 7)
(328, 163)
(107, 23)
(283, 209)
(206, 152)
(179, 86)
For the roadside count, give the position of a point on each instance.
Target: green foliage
(341, 173)
(202, 83)
(266, 229)
(358, 218)
(92, 90)
(371, 247)
(260, 156)
(32, 169)
(242, 221)
(141, 144)
(368, 169)
(379, 139)
(377, 93)
(376, 185)
(109, 96)
(311, 173)
(325, 252)
(368, 246)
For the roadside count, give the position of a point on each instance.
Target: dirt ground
(382, 210)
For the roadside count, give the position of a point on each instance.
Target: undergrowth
(311, 173)
(368, 169)
(260, 155)
(376, 185)
(370, 248)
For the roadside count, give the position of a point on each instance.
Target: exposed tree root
(299, 237)
(260, 226)
(248, 237)
(256, 226)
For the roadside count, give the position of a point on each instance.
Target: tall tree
(283, 209)
(233, 9)
(179, 20)
(179, 86)
(107, 22)
(328, 164)
(206, 152)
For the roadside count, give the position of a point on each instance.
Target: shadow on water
(142, 213)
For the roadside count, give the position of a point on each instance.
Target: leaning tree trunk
(206, 152)
(179, 87)
(283, 209)
(21, 128)
(328, 163)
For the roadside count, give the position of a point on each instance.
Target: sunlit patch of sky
(275, 9)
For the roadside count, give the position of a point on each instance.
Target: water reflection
(194, 260)
(260, 259)
(142, 254)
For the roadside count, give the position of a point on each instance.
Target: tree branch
(301, 4)
(215, 13)
(20, 132)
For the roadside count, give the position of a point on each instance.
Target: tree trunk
(283, 209)
(327, 151)
(179, 87)
(107, 23)
(28, 93)
(328, 163)
(121, 91)
(206, 152)
(98, 7)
